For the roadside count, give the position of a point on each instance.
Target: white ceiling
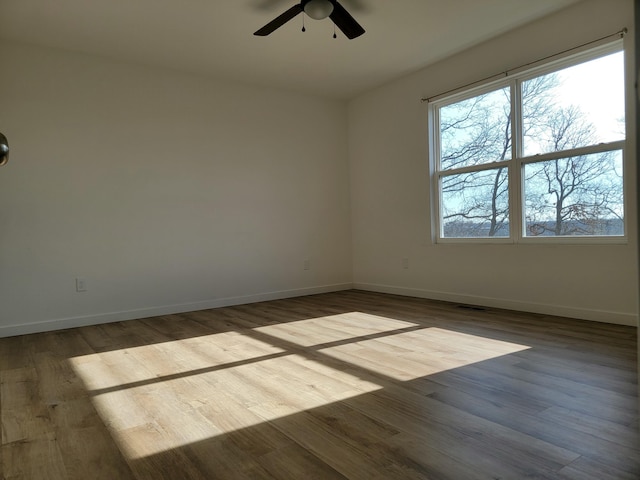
(215, 37)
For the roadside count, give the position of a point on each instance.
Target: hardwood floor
(350, 384)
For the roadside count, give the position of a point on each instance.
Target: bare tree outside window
(475, 132)
(574, 189)
(576, 195)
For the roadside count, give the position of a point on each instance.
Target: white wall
(391, 199)
(169, 192)
(166, 192)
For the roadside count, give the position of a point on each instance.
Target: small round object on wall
(4, 150)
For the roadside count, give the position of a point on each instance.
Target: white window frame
(516, 164)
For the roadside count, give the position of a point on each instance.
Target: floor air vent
(472, 307)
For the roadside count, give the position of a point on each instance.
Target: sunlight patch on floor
(119, 368)
(158, 397)
(407, 356)
(157, 417)
(333, 328)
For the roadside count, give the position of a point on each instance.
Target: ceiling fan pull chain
(303, 29)
(334, 31)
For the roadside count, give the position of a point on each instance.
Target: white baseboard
(618, 318)
(109, 317)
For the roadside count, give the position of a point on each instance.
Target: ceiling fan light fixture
(318, 9)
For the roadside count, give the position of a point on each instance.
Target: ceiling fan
(318, 10)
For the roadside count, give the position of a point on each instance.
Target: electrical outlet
(405, 263)
(81, 284)
(306, 264)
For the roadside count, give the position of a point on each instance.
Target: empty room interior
(353, 239)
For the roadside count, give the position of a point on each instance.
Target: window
(535, 155)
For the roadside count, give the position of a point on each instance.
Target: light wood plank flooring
(350, 384)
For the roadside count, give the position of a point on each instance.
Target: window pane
(475, 204)
(575, 107)
(575, 196)
(476, 131)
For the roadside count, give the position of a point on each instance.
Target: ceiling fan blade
(279, 21)
(345, 22)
